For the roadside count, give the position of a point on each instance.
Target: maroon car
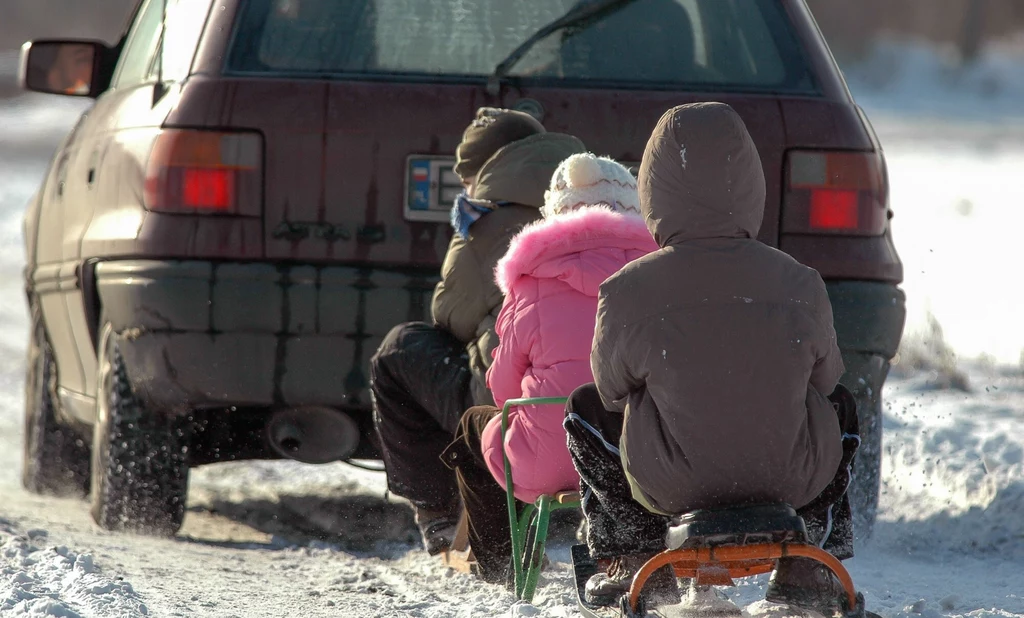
(261, 192)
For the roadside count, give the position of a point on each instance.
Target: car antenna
(159, 90)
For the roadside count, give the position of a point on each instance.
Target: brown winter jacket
(467, 299)
(719, 349)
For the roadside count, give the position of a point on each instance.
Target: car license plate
(430, 188)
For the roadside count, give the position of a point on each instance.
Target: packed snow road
(282, 539)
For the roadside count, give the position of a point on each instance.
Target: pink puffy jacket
(550, 277)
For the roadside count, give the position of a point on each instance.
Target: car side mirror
(67, 67)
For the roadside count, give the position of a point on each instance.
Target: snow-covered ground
(954, 142)
(282, 539)
(957, 204)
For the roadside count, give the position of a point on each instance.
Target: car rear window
(730, 44)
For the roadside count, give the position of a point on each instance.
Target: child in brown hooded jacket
(713, 362)
(425, 375)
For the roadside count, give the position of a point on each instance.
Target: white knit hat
(588, 180)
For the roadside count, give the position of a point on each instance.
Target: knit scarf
(466, 211)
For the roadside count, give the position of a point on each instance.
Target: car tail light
(209, 172)
(835, 193)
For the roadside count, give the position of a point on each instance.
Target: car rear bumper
(198, 334)
(868, 316)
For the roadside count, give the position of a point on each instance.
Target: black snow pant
(420, 383)
(486, 503)
(619, 525)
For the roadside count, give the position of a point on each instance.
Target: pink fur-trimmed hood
(551, 277)
(558, 248)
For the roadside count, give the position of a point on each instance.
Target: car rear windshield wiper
(581, 14)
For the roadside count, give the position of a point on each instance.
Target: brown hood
(701, 176)
(467, 299)
(521, 171)
(719, 349)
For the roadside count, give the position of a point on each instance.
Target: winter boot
(805, 583)
(437, 528)
(606, 588)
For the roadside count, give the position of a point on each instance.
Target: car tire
(55, 459)
(139, 469)
(867, 465)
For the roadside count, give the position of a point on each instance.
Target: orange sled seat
(714, 546)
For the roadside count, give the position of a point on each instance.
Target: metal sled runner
(532, 523)
(526, 562)
(713, 547)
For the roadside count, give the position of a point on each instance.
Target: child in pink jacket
(591, 228)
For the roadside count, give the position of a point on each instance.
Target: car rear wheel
(865, 377)
(865, 485)
(139, 470)
(55, 459)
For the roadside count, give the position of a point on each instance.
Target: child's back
(722, 347)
